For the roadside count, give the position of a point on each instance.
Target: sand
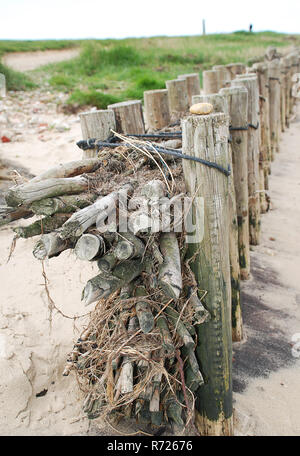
(34, 397)
(26, 61)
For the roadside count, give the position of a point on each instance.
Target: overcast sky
(58, 19)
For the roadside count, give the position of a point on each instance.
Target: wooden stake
(107, 263)
(274, 96)
(157, 113)
(9, 214)
(26, 194)
(45, 225)
(235, 68)
(65, 203)
(102, 285)
(238, 111)
(217, 100)
(261, 70)
(167, 343)
(89, 246)
(128, 247)
(223, 75)
(178, 98)
(251, 85)
(169, 277)
(95, 213)
(206, 137)
(69, 169)
(129, 117)
(96, 124)
(210, 81)
(143, 311)
(220, 103)
(287, 67)
(283, 77)
(50, 245)
(193, 84)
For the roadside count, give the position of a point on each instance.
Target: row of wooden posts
(252, 107)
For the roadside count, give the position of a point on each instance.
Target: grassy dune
(107, 71)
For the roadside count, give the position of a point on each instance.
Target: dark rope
(177, 134)
(244, 128)
(238, 128)
(274, 79)
(95, 144)
(254, 126)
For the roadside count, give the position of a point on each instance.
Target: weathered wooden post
(251, 84)
(235, 68)
(210, 81)
(2, 85)
(96, 124)
(157, 113)
(283, 78)
(261, 70)
(224, 75)
(287, 65)
(178, 98)
(294, 56)
(238, 111)
(129, 117)
(206, 137)
(193, 84)
(220, 103)
(274, 96)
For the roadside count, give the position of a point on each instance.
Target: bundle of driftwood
(120, 209)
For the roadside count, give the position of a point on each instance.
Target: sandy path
(25, 61)
(34, 397)
(266, 374)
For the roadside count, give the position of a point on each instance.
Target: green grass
(116, 70)
(32, 45)
(16, 80)
(19, 81)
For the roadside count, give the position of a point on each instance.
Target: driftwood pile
(137, 355)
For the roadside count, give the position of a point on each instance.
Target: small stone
(201, 108)
(5, 139)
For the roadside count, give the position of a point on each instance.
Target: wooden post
(2, 85)
(238, 112)
(274, 96)
(251, 85)
(206, 137)
(223, 75)
(96, 124)
(287, 65)
(294, 56)
(210, 81)
(283, 77)
(129, 117)
(234, 69)
(220, 103)
(157, 113)
(261, 70)
(178, 98)
(193, 84)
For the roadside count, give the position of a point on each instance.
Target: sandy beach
(35, 399)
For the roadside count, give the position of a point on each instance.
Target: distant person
(250, 28)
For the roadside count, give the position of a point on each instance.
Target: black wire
(160, 135)
(94, 143)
